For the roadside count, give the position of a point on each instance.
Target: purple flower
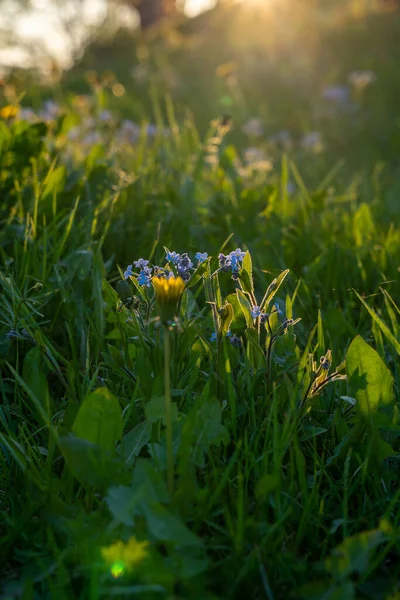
(144, 279)
(141, 263)
(238, 254)
(183, 265)
(128, 272)
(224, 262)
(172, 257)
(255, 312)
(201, 256)
(236, 341)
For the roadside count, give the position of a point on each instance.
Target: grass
(140, 458)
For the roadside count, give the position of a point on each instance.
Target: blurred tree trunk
(152, 11)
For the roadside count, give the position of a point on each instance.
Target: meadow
(199, 325)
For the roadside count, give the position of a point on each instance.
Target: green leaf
(363, 226)
(370, 380)
(226, 316)
(122, 502)
(35, 378)
(99, 419)
(124, 290)
(381, 324)
(155, 410)
(199, 273)
(267, 484)
(238, 323)
(202, 429)
(166, 527)
(245, 306)
(246, 274)
(272, 290)
(89, 463)
(354, 554)
(134, 441)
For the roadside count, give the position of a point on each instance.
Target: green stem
(168, 421)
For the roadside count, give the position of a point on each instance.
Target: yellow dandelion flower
(122, 556)
(168, 293)
(9, 111)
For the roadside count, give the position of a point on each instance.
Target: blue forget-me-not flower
(201, 256)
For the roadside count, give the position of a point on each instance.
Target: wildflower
(253, 127)
(128, 273)
(231, 262)
(141, 263)
(27, 114)
(172, 257)
(361, 79)
(313, 142)
(282, 139)
(224, 262)
(201, 256)
(144, 278)
(277, 309)
(168, 294)
(325, 364)
(238, 254)
(336, 93)
(255, 312)
(106, 117)
(253, 155)
(183, 265)
(213, 337)
(235, 341)
(9, 111)
(121, 556)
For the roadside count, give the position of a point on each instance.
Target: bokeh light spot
(117, 569)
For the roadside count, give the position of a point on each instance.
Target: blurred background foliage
(286, 63)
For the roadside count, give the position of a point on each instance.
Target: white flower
(313, 141)
(361, 79)
(336, 93)
(253, 127)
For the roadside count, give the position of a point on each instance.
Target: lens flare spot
(117, 569)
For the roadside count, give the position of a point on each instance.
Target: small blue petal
(128, 272)
(213, 337)
(172, 256)
(201, 256)
(144, 279)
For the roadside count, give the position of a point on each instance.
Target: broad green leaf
(155, 410)
(166, 527)
(134, 441)
(89, 463)
(246, 274)
(199, 273)
(202, 429)
(226, 315)
(238, 323)
(272, 290)
(245, 306)
(354, 554)
(99, 419)
(384, 328)
(122, 502)
(370, 380)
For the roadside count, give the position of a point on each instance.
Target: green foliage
(283, 472)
